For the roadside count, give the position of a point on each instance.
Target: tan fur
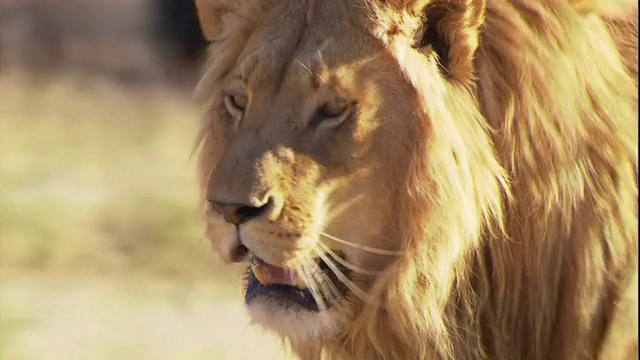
(508, 180)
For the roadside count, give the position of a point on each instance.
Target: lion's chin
(295, 324)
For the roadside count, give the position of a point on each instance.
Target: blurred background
(102, 254)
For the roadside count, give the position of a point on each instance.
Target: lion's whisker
(362, 247)
(345, 280)
(312, 270)
(326, 283)
(345, 263)
(312, 287)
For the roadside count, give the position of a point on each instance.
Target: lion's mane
(540, 262)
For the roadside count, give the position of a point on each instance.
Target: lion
(426, 179)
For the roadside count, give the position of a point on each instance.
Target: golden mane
(545, 267)
(519, 213)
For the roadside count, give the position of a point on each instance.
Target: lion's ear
(451, 28)
(210, 13)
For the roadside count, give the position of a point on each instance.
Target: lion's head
(346, 158)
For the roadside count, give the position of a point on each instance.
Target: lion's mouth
(286, 287)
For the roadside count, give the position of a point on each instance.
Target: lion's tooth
(258, 274)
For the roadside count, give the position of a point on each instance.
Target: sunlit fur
(516, 208)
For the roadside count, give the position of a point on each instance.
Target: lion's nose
(239, 213)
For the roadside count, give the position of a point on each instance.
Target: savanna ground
(101, 247)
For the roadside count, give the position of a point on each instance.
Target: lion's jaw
(326, 186)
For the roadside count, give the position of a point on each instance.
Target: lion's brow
(247, 67)
(315, 65)
(316, 79)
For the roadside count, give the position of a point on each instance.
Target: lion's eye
(237, 102)
(334, 109)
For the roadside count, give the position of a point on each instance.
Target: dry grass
(101, 248)
(98, 178)
(88, 318)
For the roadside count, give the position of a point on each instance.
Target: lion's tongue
(277, 275)
(269, 274)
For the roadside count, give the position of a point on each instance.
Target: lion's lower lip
(278, 294)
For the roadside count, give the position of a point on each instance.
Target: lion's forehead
(303, 41)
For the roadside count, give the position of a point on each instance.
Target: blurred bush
(134, 40)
